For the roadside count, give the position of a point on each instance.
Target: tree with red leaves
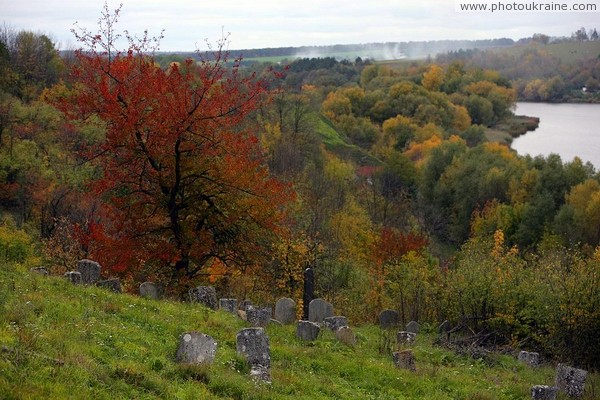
(181, 167)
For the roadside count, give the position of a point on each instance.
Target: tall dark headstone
(309, 291)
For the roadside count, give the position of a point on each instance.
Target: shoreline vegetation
(512, 128)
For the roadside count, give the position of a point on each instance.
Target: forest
(379, 178)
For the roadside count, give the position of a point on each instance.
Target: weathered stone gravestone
(308, 293)
(543, 392)
(413, 326)
(258, 317)
(229, 305)
(318, 310)
(73, 276)
(90, 271)
(39, 270)
(113, 284)
(196, 348)
(335, 323)
(205, 295)
(404, 338)
(404, 360)
(285, 311)
(307, 330)
(253, 345)
(244, 304)
(149, 290)
(570, 380)
(389, 319)
(530, 358)
(345, 335)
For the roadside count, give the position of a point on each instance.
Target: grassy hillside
(63, 341)
(568, 52)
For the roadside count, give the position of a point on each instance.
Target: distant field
(568, 52)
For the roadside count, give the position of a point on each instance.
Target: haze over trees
(381, 179)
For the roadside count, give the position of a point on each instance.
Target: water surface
(568, 130)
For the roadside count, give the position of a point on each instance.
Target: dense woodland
(379, 179)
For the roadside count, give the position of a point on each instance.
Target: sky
(270, 23)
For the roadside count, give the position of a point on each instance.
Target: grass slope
(62, 341)
(335, 143)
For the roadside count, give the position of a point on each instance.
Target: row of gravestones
(254, 344)
(567, 379)
(88, 273)
(320, 312)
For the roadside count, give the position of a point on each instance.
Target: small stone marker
(258, 317)
(196, 348)
(543, 392)
(531, 358)
(570, 380)
(244, 304)
(307, 330)
(413, 326)
(335, 323)
(285, 311)
(113, 285)
(229, 305)
(389, 319)
(345, 335)
(405, 338)
(39, 270)
(404, 360)
(90, 271)
(73, 276)
(205, 295)
(318, 310)
(149, 290)
(253, 344)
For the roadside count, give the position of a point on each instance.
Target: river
(568, 130)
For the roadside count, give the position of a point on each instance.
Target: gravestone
(90, 271)
(345, 335)
(543, 392)
(253, 345)
(307, 330)
(113, 284)
(285, 311)
(258, 317)
(389, 319)
(244, 304)
(404, 360)
(444, 327)
(413, 326)
(196, 348)
(570, 380)
(149, 290)
(73, 276)
(205, 295)
(335, 323)
(405, 338)
(39, 270)
(318, 310)
(531, 358)
(229, 305)
(308, 293)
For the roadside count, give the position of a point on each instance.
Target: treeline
(380, 180)
(562, 71)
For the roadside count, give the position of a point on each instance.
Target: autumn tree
(181, 168)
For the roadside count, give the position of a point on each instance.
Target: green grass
(335, 143)
(71, 342)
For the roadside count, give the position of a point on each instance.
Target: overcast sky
(272, 23)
